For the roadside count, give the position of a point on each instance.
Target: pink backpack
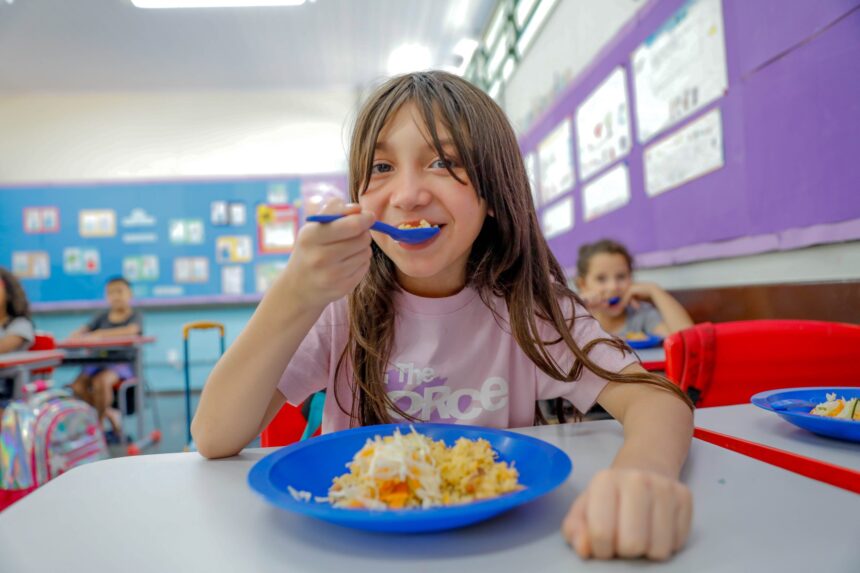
(44, 436)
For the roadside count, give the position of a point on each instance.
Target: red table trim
(839, 476)
(105, 342)
(31, 357)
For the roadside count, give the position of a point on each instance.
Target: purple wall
(791, 136)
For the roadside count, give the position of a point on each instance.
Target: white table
(179, 512)
(19, 365)
(753, 424)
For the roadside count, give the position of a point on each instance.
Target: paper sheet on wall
(555, 163)
(607, 193)
(681, 68)
(97, 223)
(558, 219)
(81, 261)
(140, 268)
(232, 280)
(31, 264)
(689, 153)
(191, 270)
(603, 125)
(233, 249)
(530, 161)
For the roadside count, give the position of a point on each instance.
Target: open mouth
(422, 224)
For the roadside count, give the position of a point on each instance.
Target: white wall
(572, 36)
(46, 137)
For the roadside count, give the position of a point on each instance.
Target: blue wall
(166, 326)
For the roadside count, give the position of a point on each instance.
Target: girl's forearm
(674, 315)
(657, 435)
(243, 382)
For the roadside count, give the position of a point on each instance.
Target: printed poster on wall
(190, 270)
(140, 268)
(555, 163)
(606, 193)
(232, 280)
(31, 264)
(692, 151)
(558, 219)
(681, 68)
(237, 214)
(97, 223)
(81, 261)
(603, 125)
(41, 220)
(277, 226)
(530, 161)
(186, 231)
(233, 249)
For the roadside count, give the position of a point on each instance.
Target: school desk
(87, 351)
(179, 512)
(18, 365)
(765, 436)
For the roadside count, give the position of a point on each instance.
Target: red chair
(43, 341)
(288, 426)
(726, 363)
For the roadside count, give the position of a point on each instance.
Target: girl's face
(609, 276)
(408, 183)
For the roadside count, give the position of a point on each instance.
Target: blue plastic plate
(793, 406)
(649, 342)
(311, 465)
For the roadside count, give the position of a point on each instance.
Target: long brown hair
(16, 299)
(509, 259)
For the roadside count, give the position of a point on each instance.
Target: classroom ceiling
(109, 45)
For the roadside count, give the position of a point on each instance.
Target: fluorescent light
(534, 24)
(508, 68)
(498, 20)
(214, 3)
(524, 8)
(409, 58)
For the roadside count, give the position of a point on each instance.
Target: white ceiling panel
(109, 45)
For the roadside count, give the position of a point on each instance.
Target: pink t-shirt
(451, 362)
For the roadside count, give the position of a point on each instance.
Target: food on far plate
(838, 408)
(636, 336)
(413, 471)
(423, 224)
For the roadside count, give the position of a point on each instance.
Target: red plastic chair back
(726, 363)
(43, 341)
(286, 427)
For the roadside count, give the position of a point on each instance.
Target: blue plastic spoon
(411, 236)
(791, 404)
(614, 300)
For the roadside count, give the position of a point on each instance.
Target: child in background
(16, 328)
(95, 384)
(472, 326)
(624, 308)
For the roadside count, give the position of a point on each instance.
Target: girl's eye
(444, 164)
(380, 168)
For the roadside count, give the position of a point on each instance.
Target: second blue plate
(794, 404)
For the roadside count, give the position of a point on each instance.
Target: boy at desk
(95, 384)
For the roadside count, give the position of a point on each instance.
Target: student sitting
(16, 328)
(623, 307)
(95, 384)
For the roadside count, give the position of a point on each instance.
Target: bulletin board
(707, 129)
(176, 242)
